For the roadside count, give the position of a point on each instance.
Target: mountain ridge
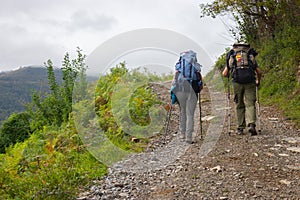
(16, 87)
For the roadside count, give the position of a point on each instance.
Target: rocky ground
(217, 166)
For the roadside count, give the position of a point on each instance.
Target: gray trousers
(187, 102)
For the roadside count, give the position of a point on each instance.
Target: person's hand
(173, 83)
(226, 71)
(257, 83)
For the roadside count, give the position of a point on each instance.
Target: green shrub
(49, 165)
(15, 129)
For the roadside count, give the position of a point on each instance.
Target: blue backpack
(189, 72)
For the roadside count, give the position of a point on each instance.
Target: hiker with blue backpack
(186, 87)
(246, 76)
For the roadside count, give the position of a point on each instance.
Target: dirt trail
(221, 166)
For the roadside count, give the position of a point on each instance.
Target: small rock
(153, 188)
(283, 155)
(81, 198)
(123, 194)
(216, 168)
(286, 182)
(136, 140)
(207, 118)
(273, 119)
(270, 154)
(294, 149)
(223, 198)
(294, 167)
(278, 145)
(257, 184)
(292, 140)
(179, 168)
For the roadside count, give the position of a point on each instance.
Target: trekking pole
(228, 105)
(200, 113)
(168, 118)
(258, 110)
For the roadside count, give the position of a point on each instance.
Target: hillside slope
(17, 86)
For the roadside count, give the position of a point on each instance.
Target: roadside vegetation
(42, 155)
(272, 28)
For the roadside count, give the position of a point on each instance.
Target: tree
(272, 27)
(55, 108)
(74, 74)
(257, 19)
(15, 129)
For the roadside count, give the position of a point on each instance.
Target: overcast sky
(33, 31)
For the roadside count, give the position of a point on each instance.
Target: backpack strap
(183, 67)
(230, 53)
(191, 69)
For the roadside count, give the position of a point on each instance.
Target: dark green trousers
(244, 98)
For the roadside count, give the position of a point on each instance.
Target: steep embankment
(221, 166)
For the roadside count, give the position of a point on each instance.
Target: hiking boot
(240, 131)
(252, 130)
(182, 136)
(189, 142)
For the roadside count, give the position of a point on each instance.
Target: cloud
(34, 34)
(30, 52)
(83, 20)
(33, 30)
(20, 47)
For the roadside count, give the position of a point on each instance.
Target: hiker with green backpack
(186, 86)
(246, 76)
